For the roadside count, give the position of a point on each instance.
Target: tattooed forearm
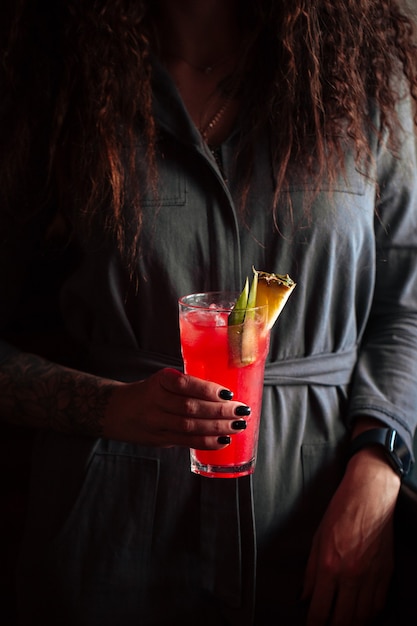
(41, 394)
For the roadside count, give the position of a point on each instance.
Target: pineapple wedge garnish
(273, 290)
(268, 289)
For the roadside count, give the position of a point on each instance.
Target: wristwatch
(395, 448)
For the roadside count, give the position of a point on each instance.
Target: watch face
(399, 452)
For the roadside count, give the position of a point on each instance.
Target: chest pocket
(170, 187)
(350, 181)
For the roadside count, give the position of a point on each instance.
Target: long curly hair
(76, 79)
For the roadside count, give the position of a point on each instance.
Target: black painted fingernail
(224, 439)
(239, 425)
(242, 410)
(226, 394)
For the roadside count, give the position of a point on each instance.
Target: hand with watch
(355, 539)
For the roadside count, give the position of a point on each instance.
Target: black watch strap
(395, 448)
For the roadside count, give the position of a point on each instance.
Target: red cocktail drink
(214, 351)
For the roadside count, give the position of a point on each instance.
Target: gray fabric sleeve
(385, 380)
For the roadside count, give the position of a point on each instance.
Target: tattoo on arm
(40, 394)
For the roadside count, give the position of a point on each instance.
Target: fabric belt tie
(329, 369)
(228, 550)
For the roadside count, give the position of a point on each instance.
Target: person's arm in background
(351, 561)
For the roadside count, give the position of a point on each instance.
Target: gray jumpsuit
(125, 534)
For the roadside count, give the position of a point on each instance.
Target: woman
(155, 149)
